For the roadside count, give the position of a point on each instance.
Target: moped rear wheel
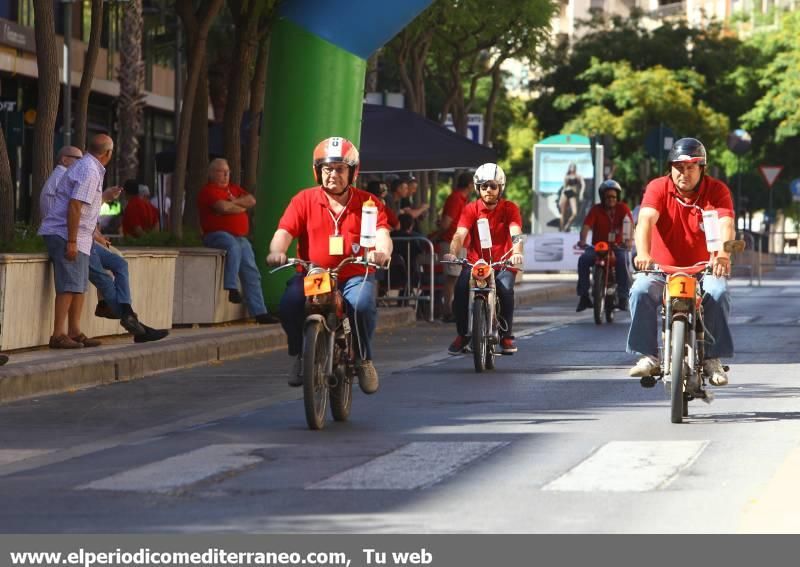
(677, 398)
(341, 394)
(480, 339)
(315, 383)
(599, 293)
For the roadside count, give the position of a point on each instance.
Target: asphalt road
(556, 439)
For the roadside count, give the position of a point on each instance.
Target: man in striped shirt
(68, 230)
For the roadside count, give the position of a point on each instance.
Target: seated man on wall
(223, 210)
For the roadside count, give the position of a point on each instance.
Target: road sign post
(770, 173)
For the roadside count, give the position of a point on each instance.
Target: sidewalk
(44, 371)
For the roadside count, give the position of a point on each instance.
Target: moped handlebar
(704, 265)
(306, 264)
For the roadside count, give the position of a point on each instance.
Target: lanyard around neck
(337, 218)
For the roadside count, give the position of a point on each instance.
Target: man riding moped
(504, 221)
(670, 232)
(326, 220)
(606, 221)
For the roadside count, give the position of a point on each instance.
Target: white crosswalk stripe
(630, 466)
(413, 466)
(13, 455)
(182, 470)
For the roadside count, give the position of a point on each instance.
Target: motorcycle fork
(491, 299)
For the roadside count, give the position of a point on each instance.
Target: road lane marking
(412, 466)
(182, 470)
(775, 510)
(630, 466)
(13, 455)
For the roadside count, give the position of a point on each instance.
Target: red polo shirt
(602, 222)
(211, 221)
(138, 212)
(500, 218)
(309, 219)
(453, 206)
(678, 239)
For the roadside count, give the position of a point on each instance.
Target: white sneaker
(715, 372)
(647, 366)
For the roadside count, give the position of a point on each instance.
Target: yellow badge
(336, 245)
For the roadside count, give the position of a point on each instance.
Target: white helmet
(489, 172)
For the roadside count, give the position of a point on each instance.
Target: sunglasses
(490, 185)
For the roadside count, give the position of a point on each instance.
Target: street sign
(794, 186)
(770, 173)
(474, 126)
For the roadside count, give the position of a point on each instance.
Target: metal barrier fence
(417, 294)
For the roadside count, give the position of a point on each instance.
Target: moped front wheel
(480, 347)
(677, 398)
(599, 293)
(315, 383)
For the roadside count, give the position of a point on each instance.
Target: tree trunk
(257, 92)
(130, 107)
(48, 97)
(6, 193)
(208, 12)
(247, 18)
(89, 64)
(488, 120)
(198, 152)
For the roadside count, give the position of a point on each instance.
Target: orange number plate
(681, 286)
(315, 284)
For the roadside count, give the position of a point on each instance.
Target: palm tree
(130, 106)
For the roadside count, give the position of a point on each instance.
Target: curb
(525, 297)
(130, 362)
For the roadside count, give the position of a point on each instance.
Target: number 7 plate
(315, 284)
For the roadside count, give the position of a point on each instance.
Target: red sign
(770, 173)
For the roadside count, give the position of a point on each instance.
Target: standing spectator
(448, 224)
(68, 230)
(140, 216)
(65, 158)
(398, 190)
(407, 203)
(379, 190)
(223, 219)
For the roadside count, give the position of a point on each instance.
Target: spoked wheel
(679, 404)
(341, 394)
(480, 347)
(599, 293)
(315, 384)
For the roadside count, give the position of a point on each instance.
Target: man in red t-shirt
(326, 221)
(670, 232)
(606, 221)
(505, 221)
(451, 213)
(223, 207)
(139, 216)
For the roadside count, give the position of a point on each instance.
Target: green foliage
(163, 240)
(25, 241)
(521, 134)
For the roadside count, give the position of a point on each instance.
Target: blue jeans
(240, 264)
(115, 290)
(586, 262)
(646, 294)
(356, 296)
(504, 281)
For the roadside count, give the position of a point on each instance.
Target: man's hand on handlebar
(516, 259)
(276, 258)
(449, 258)
(722, 266)
(378, 257)
(642, 262)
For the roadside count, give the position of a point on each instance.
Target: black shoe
(584, 303)
(234, 296)
(3, 359)
(130, 322)
(150, 335)
(103, 310)
(267, 319)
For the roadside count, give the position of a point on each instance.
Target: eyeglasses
(489, 185)
(338, 169)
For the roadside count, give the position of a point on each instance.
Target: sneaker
(150, 335)
(267, 319)
(507, 345)
(103, 310)
(367, 376)
(583, 303)
(131, 323)
(458, 346)
(647, 366)
(296, 375)
(234, 296)
(715, 372)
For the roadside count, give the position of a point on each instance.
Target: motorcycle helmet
(687, 150)
(336, 150)
(609, 185)
(489, 172)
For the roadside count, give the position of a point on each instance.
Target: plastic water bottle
(369, 224)
(627, 228)
(713, 233)
(484, 234)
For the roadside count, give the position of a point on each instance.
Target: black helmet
(609, 185)
(687, 150)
